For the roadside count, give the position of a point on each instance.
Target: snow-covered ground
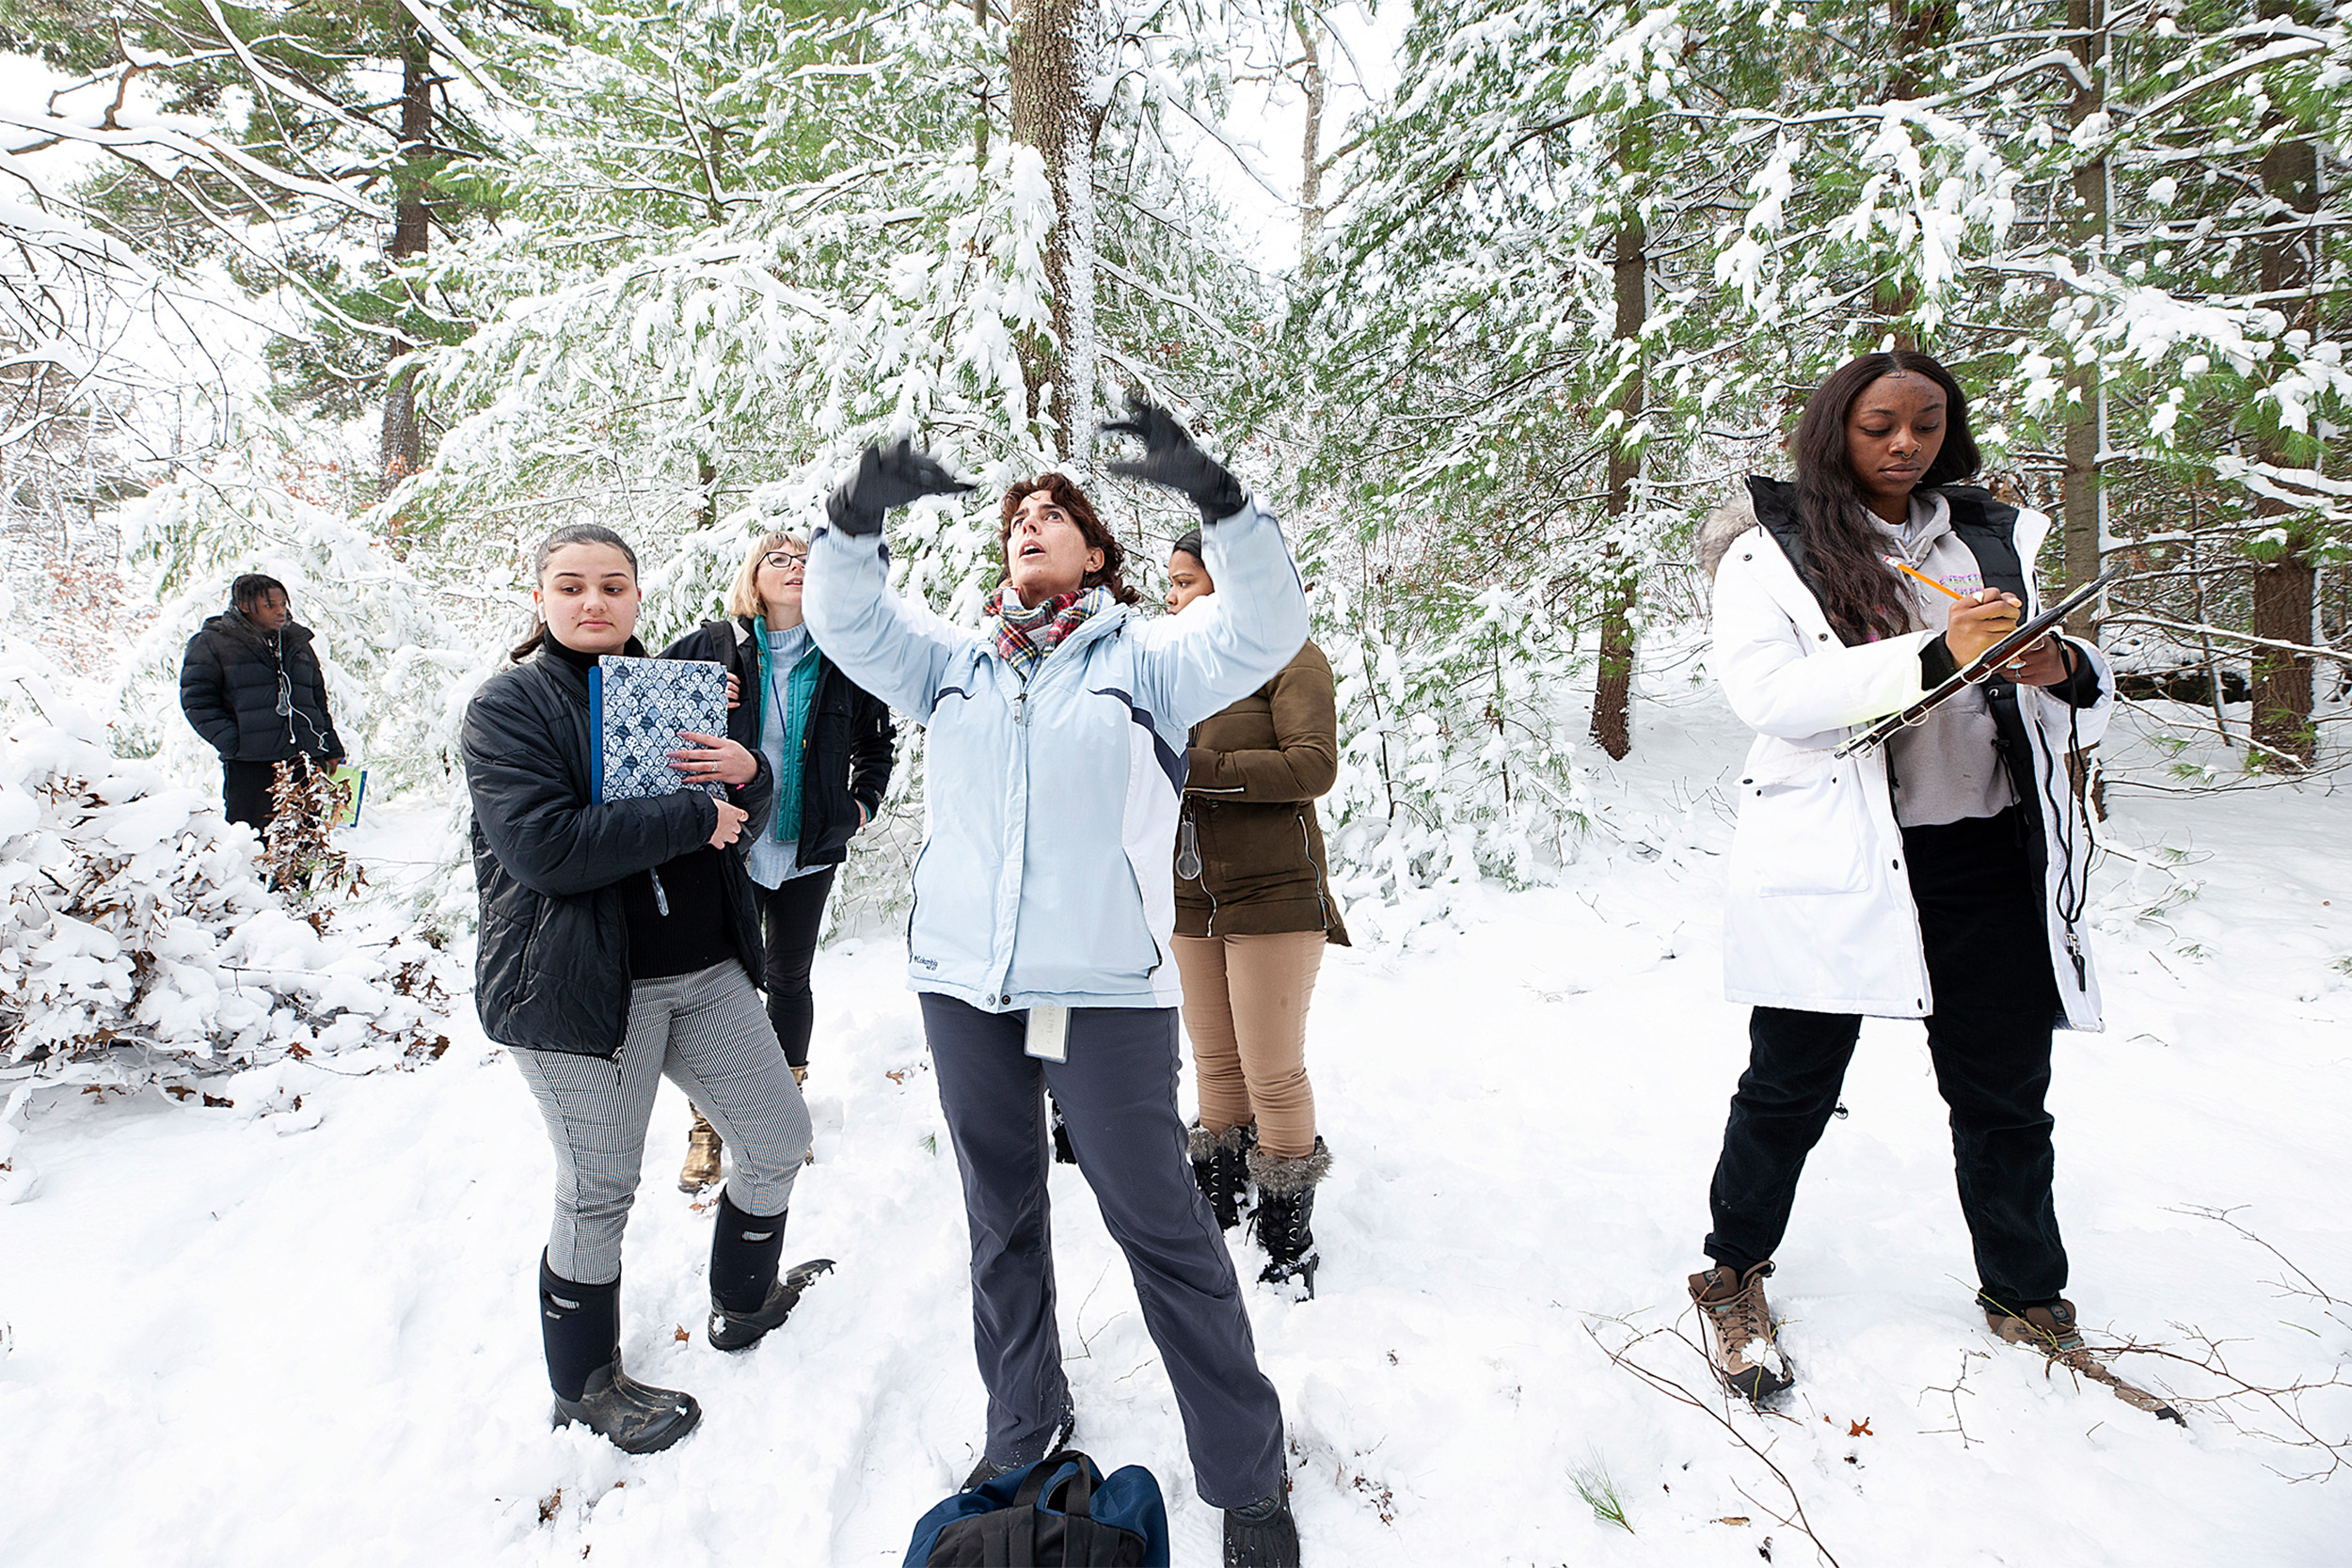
(308, 1337)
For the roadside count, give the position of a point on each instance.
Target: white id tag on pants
(1049, 1033)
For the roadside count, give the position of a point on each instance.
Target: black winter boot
(1064, 1153)
(747, 1300)
(580, 1327)
(1220, 1164)
(1065, 1427)
(1286, 1212)
(1263, 1535)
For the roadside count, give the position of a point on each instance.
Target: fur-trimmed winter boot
(1286, 1212)
(1220, 1163)
(702, 1155)
(581, 1326)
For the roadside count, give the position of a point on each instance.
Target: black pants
(245, 789)
(1995, 1003)
(1117, 1092)
(793, 915)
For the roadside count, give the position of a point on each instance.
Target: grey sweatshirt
(1948, 768)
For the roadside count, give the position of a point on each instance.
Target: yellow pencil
(1922, 576)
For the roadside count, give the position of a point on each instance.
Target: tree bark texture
(403, 451)
(2083, 505)
(1613, 694)
(1311, 159)
(2283, 583)
(980, 123)
(1053, 61)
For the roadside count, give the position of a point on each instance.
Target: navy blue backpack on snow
(1059, 1513)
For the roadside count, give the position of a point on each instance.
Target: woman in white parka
(1940, 877)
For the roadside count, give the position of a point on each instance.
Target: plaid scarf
(1024, 636)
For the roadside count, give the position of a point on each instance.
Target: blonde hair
(744, 599)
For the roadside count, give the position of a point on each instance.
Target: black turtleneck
(569, 654)
(695, 933)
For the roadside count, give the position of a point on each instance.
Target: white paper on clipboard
(1049, 1033)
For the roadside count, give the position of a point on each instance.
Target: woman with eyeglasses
(832, 745)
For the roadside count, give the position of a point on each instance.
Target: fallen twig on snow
(1714, 1410)
(1959, 1386)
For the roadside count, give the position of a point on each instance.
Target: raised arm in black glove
(887, 477)
(1170, 458)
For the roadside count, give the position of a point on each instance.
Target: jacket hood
(1760, 500)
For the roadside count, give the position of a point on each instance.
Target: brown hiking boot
(1746, 1356)
(800, 1075)
(702, 1156)
(2052, 1331)
(2048, 1329)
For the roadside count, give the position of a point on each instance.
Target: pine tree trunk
(2084, 507)
(1052, 60)
(1613, 696)
(2283, 583)
(403, 451)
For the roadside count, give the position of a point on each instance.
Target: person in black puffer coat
(251, 685)
(618, 944)
(832, 745)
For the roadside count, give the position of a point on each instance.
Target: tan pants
(1246, 1009)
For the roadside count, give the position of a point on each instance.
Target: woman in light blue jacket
(1044, 903)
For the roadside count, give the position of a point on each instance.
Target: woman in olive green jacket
(1253, 912)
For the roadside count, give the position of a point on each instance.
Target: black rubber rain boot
(1286, 1212)
(747, 1299)
(1220, 1166)
(580, 1327)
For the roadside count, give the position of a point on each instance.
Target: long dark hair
(1074, 501)
(571, 533)
(1861, 597)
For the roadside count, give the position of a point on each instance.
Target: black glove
(1170, 458)
(886, 477)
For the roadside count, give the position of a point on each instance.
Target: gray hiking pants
(707, 1033)
(1118, 1094)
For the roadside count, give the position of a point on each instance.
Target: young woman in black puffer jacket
(618, 944)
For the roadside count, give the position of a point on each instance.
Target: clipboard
(1981, 668)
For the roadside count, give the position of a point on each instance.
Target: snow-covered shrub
(138, 943)
(1454, 763)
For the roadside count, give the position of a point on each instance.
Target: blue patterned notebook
(636, 707)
